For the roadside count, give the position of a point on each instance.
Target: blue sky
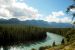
(47, 6)
(47, 10)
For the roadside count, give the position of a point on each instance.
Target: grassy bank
(69, 35)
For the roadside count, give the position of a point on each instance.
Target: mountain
(60, 25)
(39, 23)
(14, 21)
(47, 24)
(10, 21)
(2, 21)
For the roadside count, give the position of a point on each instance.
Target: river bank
(69, 44)
(51, 37)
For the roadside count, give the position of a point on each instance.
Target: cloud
(57, 17)
(16, 9)
(19, 9)
(72, 10)
(59, 13)
(4, 12)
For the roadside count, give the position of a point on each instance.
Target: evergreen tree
(62, 42)
(53, 44)
(71, 10)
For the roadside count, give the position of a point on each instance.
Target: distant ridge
(39, 23)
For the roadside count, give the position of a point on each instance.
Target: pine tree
(62, 42)
(53, 44)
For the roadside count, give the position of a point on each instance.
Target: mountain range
(39, 23)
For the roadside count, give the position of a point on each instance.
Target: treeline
(10, 33)
(60, 31)
(68, 33)
(13, 33)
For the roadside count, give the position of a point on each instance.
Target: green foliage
(22, 34)
(63, 41)
(10, 33)
(68, 33)
(54, 44)
(71, 7)
(73, 22)
(33, 49)
(45, 47)
(42, 48)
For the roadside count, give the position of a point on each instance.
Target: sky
(47, 10)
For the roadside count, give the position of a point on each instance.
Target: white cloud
(54, 17)
(72, 10)
(59, 13)
(4, 12)
(13, 8)
(18, 9)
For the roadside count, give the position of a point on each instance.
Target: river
(51, 37)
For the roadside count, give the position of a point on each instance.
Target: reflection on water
(49, 40)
